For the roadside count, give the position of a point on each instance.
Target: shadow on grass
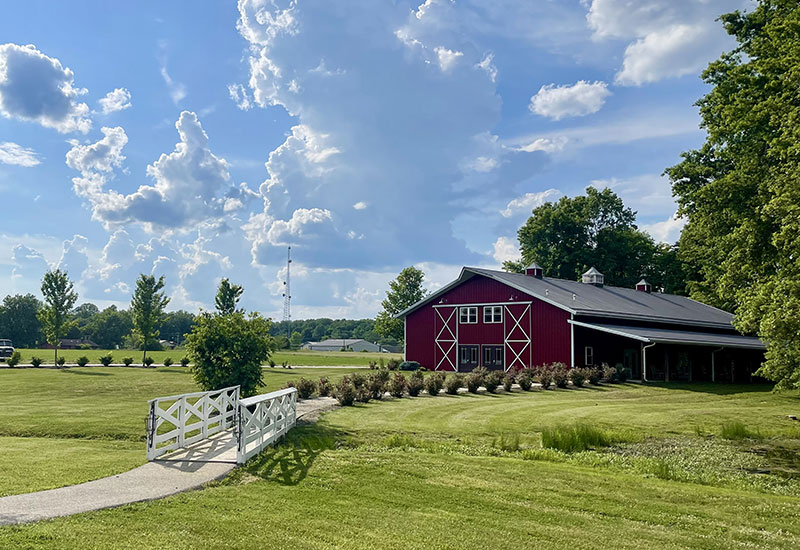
(716, 388)
(85, 372)
(288, 462)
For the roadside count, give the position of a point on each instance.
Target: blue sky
(198, 140)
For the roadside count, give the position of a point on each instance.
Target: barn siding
(550, 334)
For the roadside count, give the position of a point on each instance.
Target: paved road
(191, 468)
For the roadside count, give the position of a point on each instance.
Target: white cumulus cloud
(579, 99)
(529, 201)
(115, 100)
(37, 88)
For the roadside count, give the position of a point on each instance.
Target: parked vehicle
(6, 349)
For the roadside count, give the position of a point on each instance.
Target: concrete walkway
(186, 469)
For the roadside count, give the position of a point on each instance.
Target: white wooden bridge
(218, 425)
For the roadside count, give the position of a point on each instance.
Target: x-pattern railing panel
(263, 419)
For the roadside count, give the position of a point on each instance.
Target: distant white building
(348, 344)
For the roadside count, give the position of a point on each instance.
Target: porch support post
(644, 360)
(571, 343)
(713, 364)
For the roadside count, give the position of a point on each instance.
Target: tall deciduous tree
(405, 291)
(19, 320)
(596, 229)
(59, 299)
(147, 309)
(740, 191)
(227, 297)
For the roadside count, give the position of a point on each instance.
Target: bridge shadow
(288, 462)
(85, 372)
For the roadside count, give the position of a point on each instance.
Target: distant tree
(739, 191)
(176, 325)
(281, 342)
(59, 299)
(147, 309)
(296, 340)
(228, 350)
(405, 291)
(19, 320)
(109, 327)
(597, 229)
(227, 297)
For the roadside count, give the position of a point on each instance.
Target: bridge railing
(176, 421)
(263, 419)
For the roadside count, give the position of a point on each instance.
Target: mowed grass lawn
(65, 426)
(434, 473)
(293, 358)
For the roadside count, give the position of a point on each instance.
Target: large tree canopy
(19, 320)
(405, 291)
(568, 237)
(740, 190)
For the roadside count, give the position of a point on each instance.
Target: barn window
(468, 315)
(588, 355)
(493, 314)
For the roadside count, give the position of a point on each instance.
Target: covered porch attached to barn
(668, 354)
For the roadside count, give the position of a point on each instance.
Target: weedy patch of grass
(507, 442)
(576, 437)
(737, 431)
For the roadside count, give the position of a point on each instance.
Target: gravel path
(184, 470)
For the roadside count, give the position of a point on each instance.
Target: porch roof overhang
(668, 336)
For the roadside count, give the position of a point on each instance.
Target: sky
(198, 140)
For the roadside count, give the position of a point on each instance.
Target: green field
(465, 471)
(299, 358)
(60, 427)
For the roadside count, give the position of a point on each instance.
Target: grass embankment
(294, 358)
(469, 471)
(59, 427)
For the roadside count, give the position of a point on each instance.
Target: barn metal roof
(668, 336)
(600, 301)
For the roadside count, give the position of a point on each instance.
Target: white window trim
(492, 310)
(588, 352)
(469, 310)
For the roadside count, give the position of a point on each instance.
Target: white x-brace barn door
(445, 325)
(517, 335)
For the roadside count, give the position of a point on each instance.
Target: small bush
(373, 365)
(363, 395)
(60, 361)
(345, 392)
(306, 388)
(508, 381)
(415, 383)
(737, 430)
(398, 385)
(82, 361)
(286, 365)
(433, 384)
(492, 380)
(167, 362)
(376, 383)
(609, 373)
(544, 375)
(560, 374)
(453, 383)
(36, 361)
(576, 438)
(474, 381)
(14, 360)
(127, 361)
(578, 376)
(106, 360)
(525, 382)
(595, 375)
(622, 373)
(184, 361)
(393, 364)
(148, 361)
(507, 442)
(358, 379)
(324, 387)
(271, 363)
(289, 384)
(409, 365)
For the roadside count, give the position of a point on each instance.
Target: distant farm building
(74, 343)
(506, 320)
(344, 344)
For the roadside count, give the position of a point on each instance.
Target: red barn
(503, 320)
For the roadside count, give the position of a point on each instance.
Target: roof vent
(593, 277)
(644, 286)
(534, 270)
